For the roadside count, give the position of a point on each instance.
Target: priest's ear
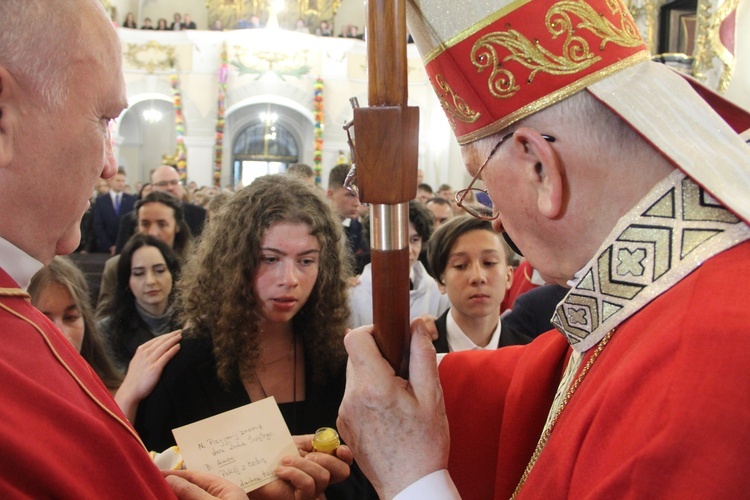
(544, 170)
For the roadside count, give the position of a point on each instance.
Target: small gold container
(326, 440)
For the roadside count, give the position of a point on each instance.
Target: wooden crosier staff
(386, 158)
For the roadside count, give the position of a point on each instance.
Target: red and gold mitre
(520, 58)
(494, 62)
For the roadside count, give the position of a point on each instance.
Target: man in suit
(345, 203)
(107, 210)
(188, 23)
(177, 23)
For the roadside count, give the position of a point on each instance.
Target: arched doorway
(146, 133)
(266, 145)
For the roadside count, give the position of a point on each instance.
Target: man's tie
(117, 204)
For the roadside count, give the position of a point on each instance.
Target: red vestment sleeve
(62, 434)
(485, 391)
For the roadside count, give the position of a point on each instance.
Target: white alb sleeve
(435, 486)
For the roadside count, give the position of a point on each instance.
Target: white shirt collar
(576, 278)
(459, 341)
(18, 264)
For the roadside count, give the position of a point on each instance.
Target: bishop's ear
(544, 168)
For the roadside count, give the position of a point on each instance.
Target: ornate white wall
(267, 67)
(281, 67)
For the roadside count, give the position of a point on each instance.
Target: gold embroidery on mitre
(576, 55)
(455, 106)
(552, 98)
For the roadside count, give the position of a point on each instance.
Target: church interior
(227, 106)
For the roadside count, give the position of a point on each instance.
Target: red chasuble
(664, 411)
(61, 433)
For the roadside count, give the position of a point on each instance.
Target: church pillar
(200, 159)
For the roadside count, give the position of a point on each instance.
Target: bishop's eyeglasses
(482, 212)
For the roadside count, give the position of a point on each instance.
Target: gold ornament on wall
(708, 46)
(230, 12)
(282, 64)
(646, 15)
(171, 160)
(150, 56)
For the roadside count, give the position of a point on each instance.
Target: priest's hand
(397, 429)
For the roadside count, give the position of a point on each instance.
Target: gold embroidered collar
(675, 228)
(14, 292)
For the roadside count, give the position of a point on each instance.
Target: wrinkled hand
(397, 430)
(194, 485)
(145, 370)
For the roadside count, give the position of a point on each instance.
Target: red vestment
(57, 441)
(521, 284)
(664, 411)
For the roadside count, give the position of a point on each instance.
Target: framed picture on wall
(677, 25)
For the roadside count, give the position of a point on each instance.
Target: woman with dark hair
(60, 291)
(157, 214)
(161, 25)
(129, 21)
(141, 307)
(265, 297)
(424, 296)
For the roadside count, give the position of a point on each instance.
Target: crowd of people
(182, 22)
(253, 296)
(211, 299)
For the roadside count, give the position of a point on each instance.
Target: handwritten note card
(243, 445)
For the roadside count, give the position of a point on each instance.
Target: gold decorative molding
(709, 52)
(715, 45)
(646, 15)
(703, 56)
(150, 56)
(167, 159)
(312, 11)
(281, 63)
